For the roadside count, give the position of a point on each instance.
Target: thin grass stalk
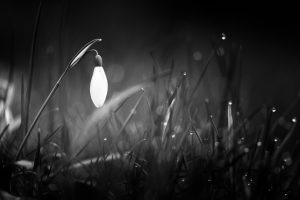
(198, 136)
(266, 133)
(22, 106)
(11, 71)
(210, 57)
(46, 139)
(167, 119)
(214, 125)
(39, 113)
(31, 66)
(171, 72)
(37, 154)
(132, 112)
(208, 112)
(3, 132)
(247, 119)
(230, 131)
(252, 156)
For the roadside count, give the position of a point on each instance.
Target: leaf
(82, 52)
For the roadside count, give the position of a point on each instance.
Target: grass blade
(37, 153)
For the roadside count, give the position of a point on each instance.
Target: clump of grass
(177, 155)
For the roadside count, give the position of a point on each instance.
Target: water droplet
(246, 150)
(276, 139)
(259, 143)
(191, 133)
(173, 136)
(273, 109)
(287, 158)
(230, 103)
(217, 144)
(294, 120)
(223, 36)
(184, 73)
(105, 139)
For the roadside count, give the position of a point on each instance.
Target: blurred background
(178, 30)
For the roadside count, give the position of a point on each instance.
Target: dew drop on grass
(287, 158)
(259, 143)
(217, 144)
(294, 120)
(273, 109)
(223, 36)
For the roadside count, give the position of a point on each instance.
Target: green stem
(40, 112)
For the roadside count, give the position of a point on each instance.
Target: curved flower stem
(40, 112)
(78, 56)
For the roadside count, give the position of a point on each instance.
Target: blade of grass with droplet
(31, 67)
(265, 133)
(198, 136)
(283, 144)
(166, 120)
